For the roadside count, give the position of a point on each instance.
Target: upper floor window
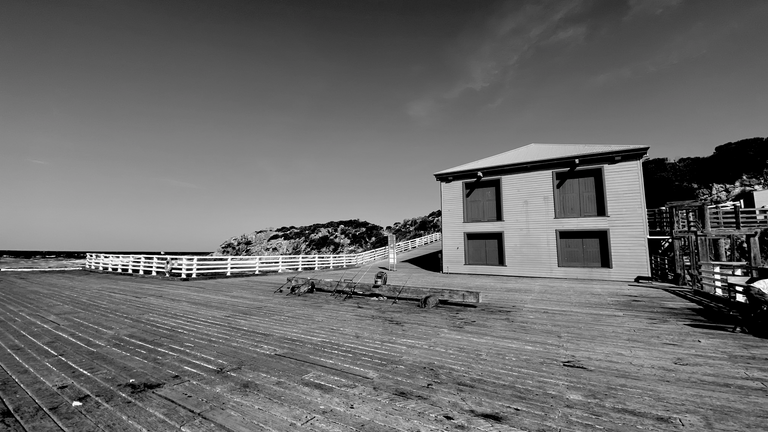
(579, 193)
(482, 201)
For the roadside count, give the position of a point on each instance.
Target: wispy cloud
(491, 53)
(421, 108)
(684, 47)
(639, 8)
(39, 162)
(662, 60)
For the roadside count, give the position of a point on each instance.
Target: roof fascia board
(564, 162)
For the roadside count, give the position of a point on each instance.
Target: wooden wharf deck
(81, 351)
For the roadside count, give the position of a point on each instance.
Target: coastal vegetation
(329, 238)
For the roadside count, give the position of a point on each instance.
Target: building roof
(536, 153)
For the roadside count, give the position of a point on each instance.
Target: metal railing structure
(720, 217)
(662, 267)
(699, 233)
(737, 218)
(194, 266)
(717, 277)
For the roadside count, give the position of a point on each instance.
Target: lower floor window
(484, 249)
(583, 248)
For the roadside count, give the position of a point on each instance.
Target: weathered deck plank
(537, 354)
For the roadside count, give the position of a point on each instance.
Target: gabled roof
(537, 153)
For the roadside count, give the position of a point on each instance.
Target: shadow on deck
(428, 262)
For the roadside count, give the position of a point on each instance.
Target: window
(583, 249)
(579, 193)
(484, 249)
(482, 201)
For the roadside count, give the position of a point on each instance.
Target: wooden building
(756, 199)
(548, 210)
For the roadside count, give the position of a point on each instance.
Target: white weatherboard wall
(530, 245)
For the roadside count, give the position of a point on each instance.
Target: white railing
(194, 266)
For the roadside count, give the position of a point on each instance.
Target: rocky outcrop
(330, 238)
(733, 169)
(719, 193)
(417, 227)
(339, 237)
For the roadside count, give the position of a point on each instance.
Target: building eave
(624, 155)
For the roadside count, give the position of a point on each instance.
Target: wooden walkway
(82, 351)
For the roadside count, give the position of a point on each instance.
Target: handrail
(736, 217)
(193, 266)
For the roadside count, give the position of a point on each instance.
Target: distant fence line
(193, 266)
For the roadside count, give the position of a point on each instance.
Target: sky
(176, 125)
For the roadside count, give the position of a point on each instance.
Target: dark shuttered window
(579, 193)
(484, 249)
(583, 248)
(482, 201)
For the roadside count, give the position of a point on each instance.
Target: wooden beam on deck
(399, 291)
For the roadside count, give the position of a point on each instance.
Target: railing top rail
(373, 252)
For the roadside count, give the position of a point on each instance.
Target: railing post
(679, 261)
(184, 267)
(301, 260)
(737, 215)
(753, 250)
(130, 264)
(717, 270)
(673, 219)
(702, 242)
(229, 266)
(316, 264)
(194, 267)
(258, 261)
(280, 264)
(154, 266)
